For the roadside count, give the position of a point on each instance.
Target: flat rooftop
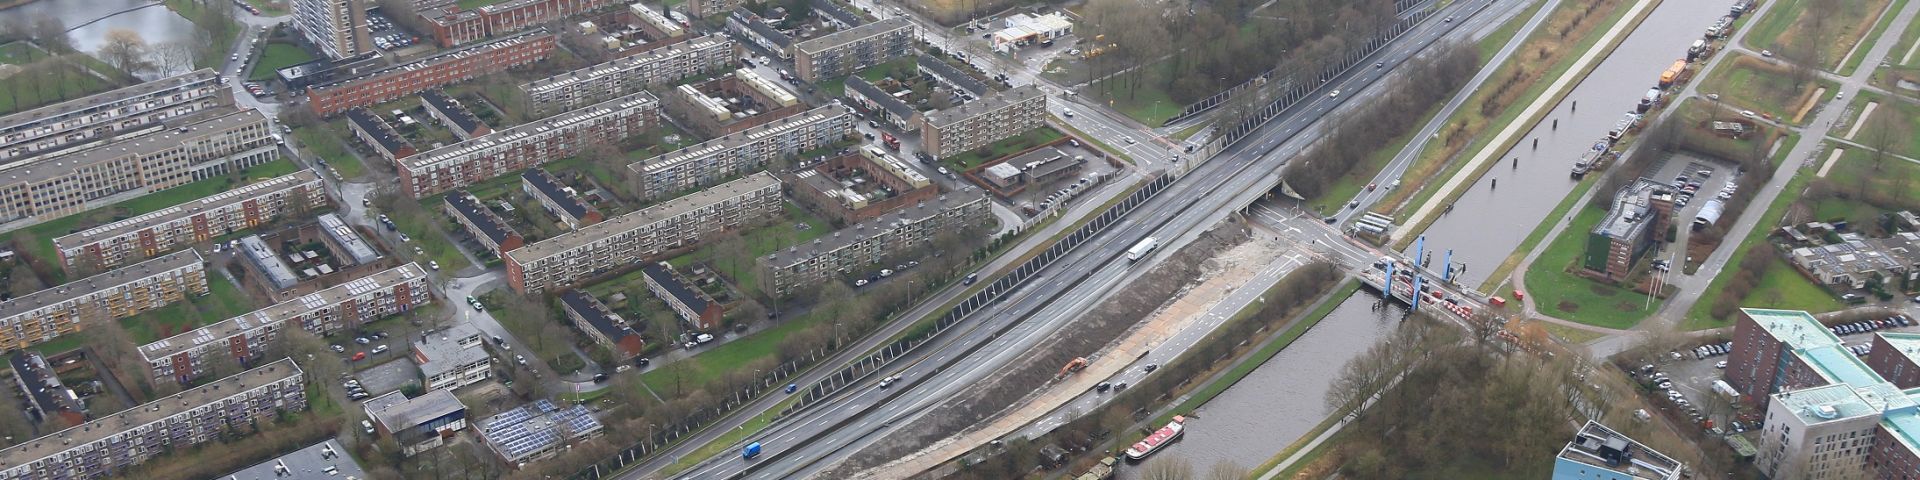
(1632, 209)
(459, 151)
(851, 35)
(107, 426)
(1795, 327)
(478, 48)
(444, 352)
(411, 412)
(356, 246)
(884, 223)
(224, 329)
(305, 464)
(988, 103)
(1604, 449)
(737, 139)
(217, 121)
(662, 211)
(107, 97)
(190, 208)
(105, 281)
(1907, 344)
(624, 63)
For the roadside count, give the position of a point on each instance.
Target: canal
(155, 24)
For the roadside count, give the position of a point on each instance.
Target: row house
(480, 222)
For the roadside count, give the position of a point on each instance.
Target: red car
(359, 356)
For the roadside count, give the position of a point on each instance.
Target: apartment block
(982, 122)
(600, 323)
(1641, 212)
(184, 357)
(111, 445)
(1599, 453)
(628, 75)
(40, 316)
(691, 304)
(742, 152)
(196, 221)
(861, 185)
(527, 145)
(208, 145)
(852, 250)
(708, 8)
(369, 88)
(536, 431)
(453, 26)
(1829, 414)
(559, 199)
(559, 262)
(338, 27)
(417, 424)
(841, 53)
(374, 131)
(453, 115)
(479, 221)
(731, 103)
(453, 357)
(119, 113)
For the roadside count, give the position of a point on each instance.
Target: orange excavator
(1075, 365)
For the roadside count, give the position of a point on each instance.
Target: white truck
(1140, 250)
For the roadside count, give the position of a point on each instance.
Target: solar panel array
(534, 427)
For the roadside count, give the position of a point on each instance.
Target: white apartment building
(204, 145)
(617, 242)
(338, 27)
(453, 357)
(628, 75)
(88, 120)
(527, 145)
(740, 152)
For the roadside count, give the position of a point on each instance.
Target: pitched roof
(886, 101)
(478, 215)
(550, 187)
(451, 109)
(670, 281)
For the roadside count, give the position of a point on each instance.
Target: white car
(1747, 113)
(1335, 94)
(435, 265)
(380, 349)
(703, 338)
(1766, 53)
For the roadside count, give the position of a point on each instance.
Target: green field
(330, 147)
(1900, 136)
(62, 82)
(760, 241)
(275, 57)
(1879, 29)
(226, 301)
(44, 232)
(1905, 53)
(970, 159)
(1147, 102)
(1786, 23)
(16, 53)
(1700, 316)
(1559, 292)
(1747, 83)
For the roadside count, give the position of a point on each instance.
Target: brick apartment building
(453, 357)
(379, 135)
(751, 28)
(982, 122)
(453, 115)
(708, 8)
(202, 220)
(841, 53)
(1641, 212)
(453, 26)
(731, 103)
(618, 242)
(338, 27)
(40, 316)
(853, 249)
(691, 304)
(528, 145)
(749, 150)
(880, 104)
(370, 88)
(183, 357)
(116, 113)
(483, 224)
(884, 184)
(1830, 414)
(559, 199)
(628, 75)
(111, 445)
(207, 144)
(599, 322)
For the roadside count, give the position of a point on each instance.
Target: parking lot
(1692, 376)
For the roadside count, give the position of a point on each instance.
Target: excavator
(1075, 365)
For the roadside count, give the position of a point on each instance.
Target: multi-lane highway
(811, 440)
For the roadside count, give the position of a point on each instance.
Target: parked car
(379, 349)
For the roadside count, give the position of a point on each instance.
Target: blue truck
(751, 450)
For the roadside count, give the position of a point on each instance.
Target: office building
(112, 445)
(690, 303)
(207, 144)
(559, 199)
(748, 26)
(982, 122)
(455, 26)
(453, 357)
(453, 115)
(528, 145)
(420, 423)
(449, 67)
(376, 133)
(1599, 453)
(184, 357)
(46, 396)
(345, 242)
(40, 316)
(880, 104)
(101, 117)
(952, 76)
(861, 185)
(628, 75)
(854, 249)
(731, 103)
(842, 53)
(1641, 212)
(749, 150)
(600, 323)
(557, 263)
(537, 430)
(480, 222)
(1829, 414)
(172, 228)
(1855, 259)
(327, 457)
(338, 27)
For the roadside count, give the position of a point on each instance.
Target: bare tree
(51, 34)
(1225, 470)
(1880, 136)
(126, 51)
(1170, 468)
(173, 57)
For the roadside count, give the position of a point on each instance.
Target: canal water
(1488, 223)
(1284, 398)
(155, 24)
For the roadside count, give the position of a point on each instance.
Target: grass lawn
(331, 148)
(1499, 38)
(1784, 25)
(191, 11)
(1747, 83)
(1559, 292)
(1856, 172)
(226, 301)
(433, 239)
(1147, 103)
(64, 82)
(1901, 135)
(1700, 316)
(760, 242)
(16, 53)
(44, 233)
(1873, 37)
(277, 56)
(1570, 334)
(974, 158)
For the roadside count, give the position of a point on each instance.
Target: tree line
(1354, 137)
